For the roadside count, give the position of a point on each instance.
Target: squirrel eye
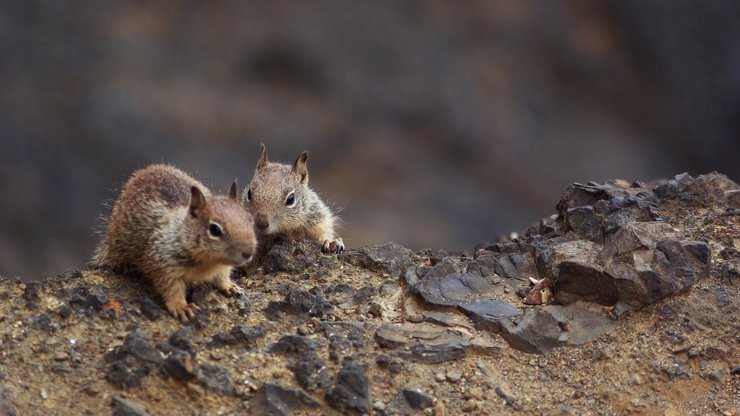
(290, 200)
(215, 230)
(249, 194)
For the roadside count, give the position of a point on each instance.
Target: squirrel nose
(261, 221)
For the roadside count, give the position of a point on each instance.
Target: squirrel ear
(262, 161)
(197, 201)
(299, 167)
(232, 191)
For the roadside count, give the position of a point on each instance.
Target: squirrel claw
(333, 246)
(234, 290)
(185, 313)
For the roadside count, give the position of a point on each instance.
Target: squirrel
(282, 204)
(168, 227)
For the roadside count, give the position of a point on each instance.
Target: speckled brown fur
(160, 227)
(267, 195)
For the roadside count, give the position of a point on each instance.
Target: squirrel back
(282, 203)
(170, 228)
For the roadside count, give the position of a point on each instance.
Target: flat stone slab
(424, 342)
(489, 314)
(454, 289)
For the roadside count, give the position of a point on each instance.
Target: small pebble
(92, 390)
(378, 405)
(469, 405)
(440, 377)
(453, 376)
(415, 318)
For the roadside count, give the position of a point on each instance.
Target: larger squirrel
(282, 204)
(168, 227)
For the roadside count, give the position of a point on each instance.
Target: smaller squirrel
(282, 203)
(168, 227)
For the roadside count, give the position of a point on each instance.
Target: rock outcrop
(579, 312)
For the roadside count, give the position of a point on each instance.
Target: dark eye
(290, 200)
(249, 194)
(215, 230)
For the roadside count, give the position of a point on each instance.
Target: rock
(454, 289)
(291, 257)
(32, 292)
(409, 401)
(389, 258)
(635, 236)
(184, 339)
(733, 199)
(446, 319)
(340, 294)
(275, 400)
(351, 392)
(149, 309)
(293, 344)
(65, 311)
(489, 314)
(179, 366)
(587, 224)
(453, 376)
(576, 273)
(247, 335)
(678, 369)
(484, 264)
(222, 339)
(345, 337)
(424, 343)
(126, 407)
(538, 332)
(447, 265)
(301, 303)
(708, 190)
(516, 266)
(216, 379)
(7, 403)
(132, 361)
(581, 321)
(310, 371)
(670, 188)
(43, 322)
(393, 364)
(578, 195)
(93, 301)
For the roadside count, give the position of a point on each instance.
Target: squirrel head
(277, 194)
(222, 228)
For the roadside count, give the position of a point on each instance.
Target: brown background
(431, 123)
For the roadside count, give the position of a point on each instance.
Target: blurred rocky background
(431, 123)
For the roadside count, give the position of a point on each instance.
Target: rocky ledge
(625, 300)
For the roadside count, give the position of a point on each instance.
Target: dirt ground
(58, 343)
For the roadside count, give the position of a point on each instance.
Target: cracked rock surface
(642, 314)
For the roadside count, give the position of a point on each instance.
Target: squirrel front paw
(184, 311)
(232, 289)
(335, 246)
